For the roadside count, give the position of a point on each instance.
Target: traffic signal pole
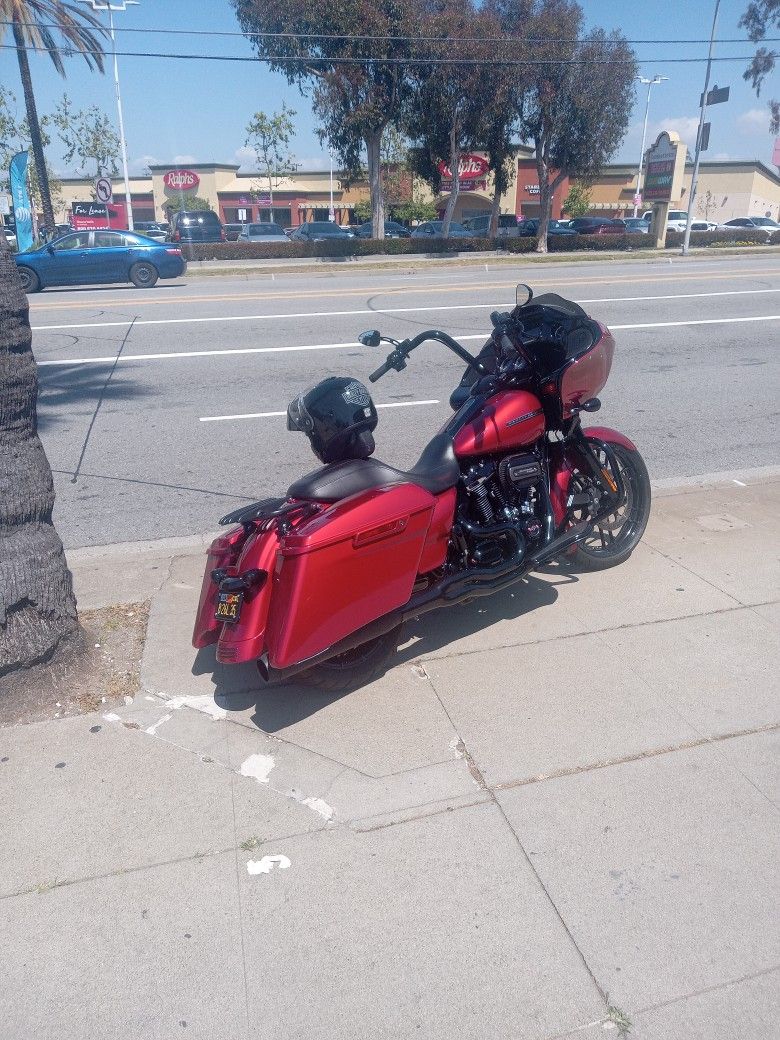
(695, 177)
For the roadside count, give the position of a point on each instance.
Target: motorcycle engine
(505, 508)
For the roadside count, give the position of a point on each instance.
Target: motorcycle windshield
(558, 303)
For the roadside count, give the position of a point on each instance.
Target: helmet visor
(298, 417)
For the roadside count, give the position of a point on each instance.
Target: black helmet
(337, 415)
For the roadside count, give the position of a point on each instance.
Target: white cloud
(182, 160)
(246, 158)
(718, 157)
(315, 162)
(140, 167)
(686, 126)
(755, 120)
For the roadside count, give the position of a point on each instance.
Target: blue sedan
(97, 257)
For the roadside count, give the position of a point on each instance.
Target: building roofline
(194, 166)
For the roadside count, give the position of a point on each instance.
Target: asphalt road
(191, 421)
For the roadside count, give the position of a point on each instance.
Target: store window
(277, 215)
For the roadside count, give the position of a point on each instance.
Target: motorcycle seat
(436, 470)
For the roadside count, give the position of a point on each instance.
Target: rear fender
(245, 640)
(223, 552)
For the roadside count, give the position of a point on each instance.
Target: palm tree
(37, 606)
(32, 22)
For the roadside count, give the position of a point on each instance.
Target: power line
(305, 60)
(546, 41)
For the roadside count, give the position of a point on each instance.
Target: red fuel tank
(511, 419)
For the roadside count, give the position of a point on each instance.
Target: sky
(185, 111)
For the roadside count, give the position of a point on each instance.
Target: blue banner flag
(21, 202)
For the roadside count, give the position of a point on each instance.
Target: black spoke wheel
(355, 667)
(613, 539)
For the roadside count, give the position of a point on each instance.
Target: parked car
(703, 225)
(392, 230)
(98, 257)
(196, 226)
(480, 226)
(265, 231)
(677, 220)
(233, 231)
(597, 226)
(636, 225)
(529, 228)
(434, 229)
(318, 231)
(753, 223)
(151, 229)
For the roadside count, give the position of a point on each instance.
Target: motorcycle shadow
(278, 707)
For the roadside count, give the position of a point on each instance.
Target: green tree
(322, 51)
(31, 23)
(415, 210)
(577, 202)
(184, 202)
(445, 113)
(362, 210)
(576, 98)
(89, 137)
(763, 16)
(270, 137)
(37, 605)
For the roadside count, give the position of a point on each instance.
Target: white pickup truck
(678, 219)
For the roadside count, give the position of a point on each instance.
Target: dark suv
(196, 226)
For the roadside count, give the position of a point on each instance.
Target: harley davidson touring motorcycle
(318, 584)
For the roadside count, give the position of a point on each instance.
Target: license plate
(229, 606)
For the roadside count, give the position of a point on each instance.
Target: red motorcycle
(318, 584)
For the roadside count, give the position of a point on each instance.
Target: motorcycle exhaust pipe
(455, 589)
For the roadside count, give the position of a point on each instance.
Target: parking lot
(191, 421)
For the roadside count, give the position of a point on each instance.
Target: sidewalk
(557, 812)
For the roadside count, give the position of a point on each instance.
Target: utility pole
(97, 5)
(331, 211)
(650, 84)
(695, 175)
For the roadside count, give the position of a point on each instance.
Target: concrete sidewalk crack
(478, 776)
(606, 763)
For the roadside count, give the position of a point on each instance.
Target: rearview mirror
(523, 294)
(370, 338)
(50, 249)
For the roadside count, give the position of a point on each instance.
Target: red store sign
(470, 167)
(181, 180)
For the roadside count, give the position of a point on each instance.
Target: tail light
(177, 236)
(222, 235)
(173, 252)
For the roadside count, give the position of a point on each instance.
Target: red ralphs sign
(470, 168)
(181, 180)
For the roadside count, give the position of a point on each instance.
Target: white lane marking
(352, 344)
(385, 310)
(273, 415)
(199, 702)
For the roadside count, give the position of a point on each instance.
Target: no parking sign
(103, 190)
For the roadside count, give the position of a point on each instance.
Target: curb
(333, 265)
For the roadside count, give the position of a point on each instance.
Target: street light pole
(97, 5)
(331, 212)
(650, 84)
(695, 174)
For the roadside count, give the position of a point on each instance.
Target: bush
(350, 247)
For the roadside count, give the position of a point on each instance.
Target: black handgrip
(379, 372)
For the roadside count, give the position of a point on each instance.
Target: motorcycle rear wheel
(613, 540)
(353, 668)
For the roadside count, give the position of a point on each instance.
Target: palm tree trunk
(37, 605)
(35, 131)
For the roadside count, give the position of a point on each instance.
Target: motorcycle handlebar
(379, 372)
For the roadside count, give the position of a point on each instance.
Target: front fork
(578, 451)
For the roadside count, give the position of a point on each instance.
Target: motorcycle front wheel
(614, 539)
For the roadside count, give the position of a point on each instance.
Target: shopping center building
(726, 189)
